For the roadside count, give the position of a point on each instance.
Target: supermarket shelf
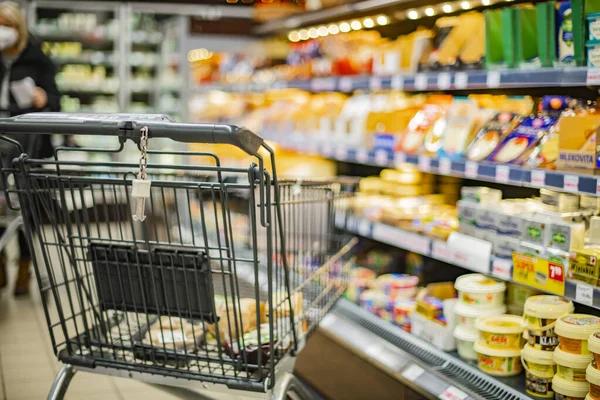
(438, 249)
(568, 181)
(460, 80)
(414, 362)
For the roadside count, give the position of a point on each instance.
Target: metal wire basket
(219, 283)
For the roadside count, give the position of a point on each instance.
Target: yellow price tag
(539, 273)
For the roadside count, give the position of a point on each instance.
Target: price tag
(584, 294)
(362, 155)
(424, 163)
(453, 393)
(471, 169)
(493, 79)
(381, 157)
(444, 80)
(399, 159)
(461, 80)
(571, 183)
(421, 82)
(345, 84)
(502, 268)
(397, 82)
(402, 239)
(375, 83)
(538, 178)
(445, 166)
(593, 77)
(412, 372)
(341, 153)
(502, 173)
(539, 273)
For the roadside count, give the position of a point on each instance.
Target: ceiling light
(323, 31)
(430, 12)
(303, 34)
(345, 27)
(355, 25)
(382, 20)
(313, 33)
(333, 29)
(368, 23)
(294, 36)
(486, 2)
(447, 8)
(465, 5)
(413, 14)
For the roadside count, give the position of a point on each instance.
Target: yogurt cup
(398, 285)
(571, 367)
(498, 362)
(480, 291)
(539, 370)
(501, 331)
(465, 339)
(467, 315)
(568, 390)
(593, 377)
(594, 348)
(540, 314)
(573, 331)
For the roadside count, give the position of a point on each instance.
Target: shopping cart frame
(127, 127)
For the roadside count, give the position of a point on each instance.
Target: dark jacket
(32, 62)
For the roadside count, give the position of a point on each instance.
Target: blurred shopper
(27, 85)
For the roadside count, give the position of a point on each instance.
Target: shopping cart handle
(129, 125)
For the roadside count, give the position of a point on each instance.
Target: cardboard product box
(584, 266)
(432, 322)
(578, 141)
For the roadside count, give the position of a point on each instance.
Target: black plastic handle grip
(129, 125)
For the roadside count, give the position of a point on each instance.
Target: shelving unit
(459, 80)
(417, 364)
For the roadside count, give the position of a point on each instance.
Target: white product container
(465, 339)
(478, 290)
(433, 332)
(498, 362)
(467, 315)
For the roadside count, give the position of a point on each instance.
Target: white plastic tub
(498, 362)
(501, 331)
(539, 368)
(593, 377)
(467, 315)
(478, 290)
(540, 314)
(465, 339)
(571, 367)
(568, 390)
(573, 332)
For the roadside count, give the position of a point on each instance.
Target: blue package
(518, 143)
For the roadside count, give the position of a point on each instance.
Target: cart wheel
(61, 382)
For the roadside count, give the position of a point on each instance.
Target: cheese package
(518, 144)
(490, 135)
(422, 123)
(462, 118)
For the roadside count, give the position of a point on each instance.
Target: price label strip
(539, 273)
(453, 393)
(584, 294)
(471, 169)
(571, 183)
(538, 178)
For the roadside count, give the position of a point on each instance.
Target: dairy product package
(480, 194)
(490, 135)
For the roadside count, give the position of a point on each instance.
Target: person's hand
(39, 98)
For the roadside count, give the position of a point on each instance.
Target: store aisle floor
(28, 366)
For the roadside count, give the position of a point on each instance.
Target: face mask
(8, 37)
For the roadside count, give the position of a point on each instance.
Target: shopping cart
(173, 273)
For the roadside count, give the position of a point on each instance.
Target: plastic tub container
(568, 390)
(571, 367)
(497, 362)
(398, 285)
(540, 314)
(539, 370)
(467, 315)
(465, 339)
(480, 291)
(501, 331)
(594, 348)
(573, 331)
(593, 377)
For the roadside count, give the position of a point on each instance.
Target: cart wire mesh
(225, 276)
